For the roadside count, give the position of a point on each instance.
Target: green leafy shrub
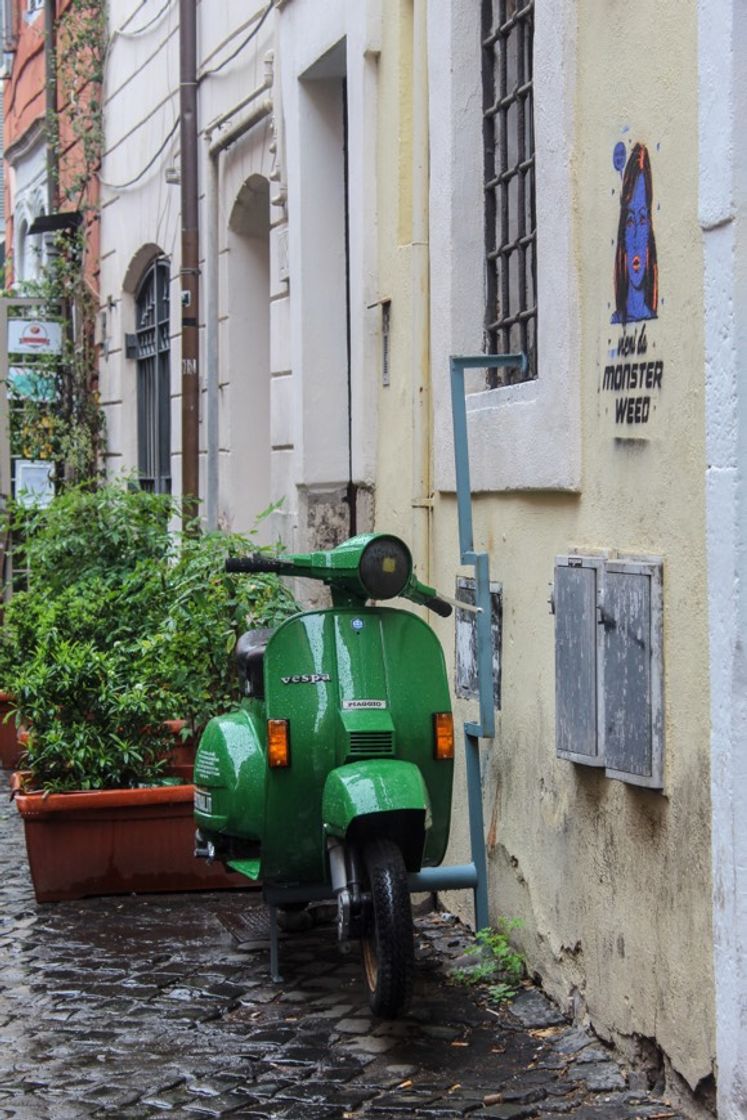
(123, 625)
(106, 531)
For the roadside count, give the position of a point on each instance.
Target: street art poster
(632, 371)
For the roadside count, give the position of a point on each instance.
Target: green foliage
(65, 425)
(107, 532)
(500, 967)
(91, 728)
(123, 626)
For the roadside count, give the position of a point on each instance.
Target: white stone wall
(723, 215)
(139, 209)
(284, 264)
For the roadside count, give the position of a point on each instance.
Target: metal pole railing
(485, 729)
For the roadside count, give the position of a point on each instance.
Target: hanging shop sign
(34, 336)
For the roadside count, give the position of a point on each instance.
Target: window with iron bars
(510, 207)
(154, 380)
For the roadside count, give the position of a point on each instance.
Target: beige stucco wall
(402, 468)
(612, 881)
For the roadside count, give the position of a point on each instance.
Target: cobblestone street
(162, 1006)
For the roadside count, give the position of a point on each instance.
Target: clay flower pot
(115, 841)
(10, 748)
(184, 749)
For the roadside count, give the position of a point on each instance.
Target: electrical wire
(205, 74)
(122, 32)
(242, 44)
(149, 164)
(139, 30)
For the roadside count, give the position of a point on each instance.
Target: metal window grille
(154, 380)
(510, 207)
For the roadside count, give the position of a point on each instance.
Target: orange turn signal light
(443, 735)
(278, 743)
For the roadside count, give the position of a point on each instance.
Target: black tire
(387, 946)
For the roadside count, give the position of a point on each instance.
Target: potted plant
(10, 748)
(123, 626)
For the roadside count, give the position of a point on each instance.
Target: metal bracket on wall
(485, 729)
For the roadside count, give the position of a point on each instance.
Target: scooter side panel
(230, 768)
(300, 670)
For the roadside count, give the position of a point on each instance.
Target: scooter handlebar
(427, 597)
(303, 566)
(255, 563)
(438, 606)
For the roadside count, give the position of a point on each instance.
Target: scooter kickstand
(274, 946)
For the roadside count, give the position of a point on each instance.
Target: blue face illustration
(637, 225)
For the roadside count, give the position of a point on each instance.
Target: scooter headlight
(385, 567)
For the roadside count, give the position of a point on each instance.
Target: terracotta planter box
(185, 748)
(10, 749)
(115, 842)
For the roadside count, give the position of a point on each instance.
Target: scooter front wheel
(387, 945)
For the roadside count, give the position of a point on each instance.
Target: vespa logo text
(307, 678)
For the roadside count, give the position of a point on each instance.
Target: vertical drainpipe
(190, 381)
(212, 396)
(420, 265)
(50, 103)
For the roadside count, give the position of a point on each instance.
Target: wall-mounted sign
(28, 383)
(34, 336)
(33, 484)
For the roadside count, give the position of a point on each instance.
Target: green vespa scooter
(334, 777)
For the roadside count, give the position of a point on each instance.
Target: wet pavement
(135, 1007)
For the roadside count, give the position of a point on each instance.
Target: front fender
(376, 786)
(379, 797)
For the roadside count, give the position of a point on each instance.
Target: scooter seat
(249, 653)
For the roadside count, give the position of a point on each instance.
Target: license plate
(203, 802)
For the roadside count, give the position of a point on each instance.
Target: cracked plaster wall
(613, 882)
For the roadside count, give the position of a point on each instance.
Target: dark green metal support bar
(485, 729)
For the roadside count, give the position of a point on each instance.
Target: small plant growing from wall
(498, 967)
